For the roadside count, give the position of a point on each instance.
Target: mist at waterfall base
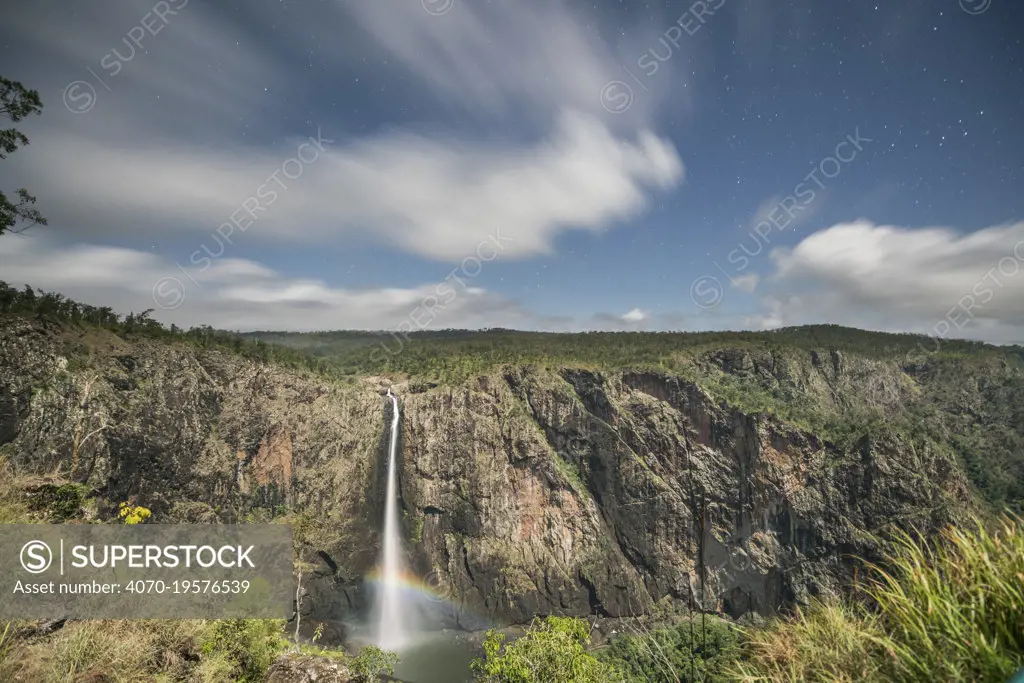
(407, 615)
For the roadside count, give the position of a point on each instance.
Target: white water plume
(393, 615)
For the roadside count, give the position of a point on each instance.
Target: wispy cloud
(241, 294)
(529, 59)
(746, 283)
(238, 293)
(162, 152)
(404, 190)
(769, 211)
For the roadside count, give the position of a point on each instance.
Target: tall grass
(130, 651)
(949, 610)
(114, 651)
(12, 509)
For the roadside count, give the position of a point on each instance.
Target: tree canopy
(17, 102)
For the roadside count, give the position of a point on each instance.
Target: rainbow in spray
(412, 584)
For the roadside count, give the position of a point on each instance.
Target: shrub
(371, 662)
(60, 502)
(249, 646)
(114, 651)
(133, 514)
(553, 649)
(705, 647)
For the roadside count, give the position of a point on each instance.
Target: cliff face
(525, 490)
(578, 492)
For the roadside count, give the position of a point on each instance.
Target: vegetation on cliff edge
(951, 609)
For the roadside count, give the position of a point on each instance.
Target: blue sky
(646, 164)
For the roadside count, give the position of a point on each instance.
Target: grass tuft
(950, 610)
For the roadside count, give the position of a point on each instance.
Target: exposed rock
(526, 491)
(271, 467)
(293, 668)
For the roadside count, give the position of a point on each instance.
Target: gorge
(525, 489)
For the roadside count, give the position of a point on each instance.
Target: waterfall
(393, 615)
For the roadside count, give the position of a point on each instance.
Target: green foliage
(944, 611)
(17, 102)
(51, 306)
(5, 641)
(249, 646)
(701, 650)
(454, 355)
(553, 649)
(118, 651)
(572, 474)
(372, 662)
(416, 535)
(368, 666)
(310, 531)
(61, 502)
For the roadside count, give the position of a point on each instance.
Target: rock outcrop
(293, 668)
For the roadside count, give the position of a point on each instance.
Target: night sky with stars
(630, 165)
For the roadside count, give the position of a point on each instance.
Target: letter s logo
(36, 557)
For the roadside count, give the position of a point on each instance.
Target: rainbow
(411, 583)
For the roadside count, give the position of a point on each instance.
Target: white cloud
(772, 216)
(747, 283)
(635, 316)
(199, 77)
(505, 60)
(928, 280)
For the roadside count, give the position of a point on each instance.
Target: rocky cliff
(526, 490)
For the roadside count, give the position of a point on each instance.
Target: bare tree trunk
(298, 603)
(79, 442)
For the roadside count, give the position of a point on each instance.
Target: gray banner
(145, 571)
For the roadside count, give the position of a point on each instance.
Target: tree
(688, 651)
(308, 533)
(17, 102)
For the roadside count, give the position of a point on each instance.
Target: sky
(545, 165)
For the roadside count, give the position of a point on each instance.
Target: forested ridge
(844, 384)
